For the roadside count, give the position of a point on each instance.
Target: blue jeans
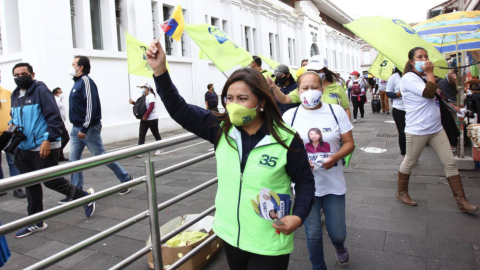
(94, 143)
(334, 209)
(11, 166)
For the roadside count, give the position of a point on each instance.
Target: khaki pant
(439, 142)
(384, 101)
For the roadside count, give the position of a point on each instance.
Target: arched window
(314, 50)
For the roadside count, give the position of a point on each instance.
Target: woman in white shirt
(150, 118)
(398, 111)
(331, 126)
(423, 125)
(357, 87)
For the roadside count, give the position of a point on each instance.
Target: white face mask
(61, 96)
(311, 98)
(322, 76)
(72, 72)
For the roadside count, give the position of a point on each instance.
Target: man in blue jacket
(85, 114)
(36, 115)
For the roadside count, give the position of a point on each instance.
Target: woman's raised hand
(270, 82)
(428, 67)
(156, 58)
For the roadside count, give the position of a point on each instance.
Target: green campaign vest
(236, 222)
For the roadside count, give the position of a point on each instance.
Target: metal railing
(47, 174)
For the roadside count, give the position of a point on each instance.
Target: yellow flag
(274, 64)
(382, 67)
(218, 47)
(137, 57)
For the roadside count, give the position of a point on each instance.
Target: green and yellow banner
(137, 57)
(394, 38)
(382, 67)
(218, 47)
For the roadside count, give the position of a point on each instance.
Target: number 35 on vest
(267, 161)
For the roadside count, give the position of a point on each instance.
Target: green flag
(382, 67)
(137, 58)
(274, 64)
(218, 47)
(394, 38)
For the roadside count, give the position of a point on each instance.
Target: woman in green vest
(327, 134)
(258, 157)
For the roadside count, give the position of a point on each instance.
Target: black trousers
(29, 161)
(144, 126)
(358, 105)
(65, 140)
(242, 260)
(399, 118)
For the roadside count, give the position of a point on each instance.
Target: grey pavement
(382, 233)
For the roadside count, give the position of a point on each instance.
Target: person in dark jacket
(286, 82)
(36, 115)
(85, 113)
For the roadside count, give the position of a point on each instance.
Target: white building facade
(49, 33)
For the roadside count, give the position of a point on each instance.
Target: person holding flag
(271, 154)
(257, 64)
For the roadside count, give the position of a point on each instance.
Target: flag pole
(129, 92)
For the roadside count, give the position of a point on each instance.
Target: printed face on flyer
(318, 150)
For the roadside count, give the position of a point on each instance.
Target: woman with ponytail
(424, 126)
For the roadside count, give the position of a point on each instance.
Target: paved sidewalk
(382, 233)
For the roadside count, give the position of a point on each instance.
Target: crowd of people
(34, 133)
(278, 136)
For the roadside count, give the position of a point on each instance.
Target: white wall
(40, 32)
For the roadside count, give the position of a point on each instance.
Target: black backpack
(139, 109)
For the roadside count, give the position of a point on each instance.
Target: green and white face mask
(240, 115)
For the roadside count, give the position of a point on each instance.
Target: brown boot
(457, 189)
(402, 192)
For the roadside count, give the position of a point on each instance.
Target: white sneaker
(138, 156)
(159, 153)
(354, 120)
(361, 119)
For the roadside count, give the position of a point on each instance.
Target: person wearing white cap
(150, 118)
(333, 92)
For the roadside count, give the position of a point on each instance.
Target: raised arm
(281, 97)
(193, 118)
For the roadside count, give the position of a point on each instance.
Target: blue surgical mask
(418, 65)
(322, 76)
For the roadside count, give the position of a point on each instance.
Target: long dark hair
(397, 71)
(411, 54)
(259, 87)
(319, 132)
(332, 77)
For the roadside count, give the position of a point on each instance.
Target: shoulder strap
(331, 109)
(294, 115)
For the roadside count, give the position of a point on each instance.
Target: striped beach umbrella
(446, 43)
(451, 23)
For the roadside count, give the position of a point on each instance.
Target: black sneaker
(65, 200)
(19, 194)
(127, 190)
